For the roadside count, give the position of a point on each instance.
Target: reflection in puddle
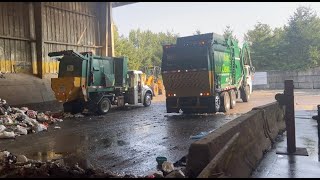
(46, 156)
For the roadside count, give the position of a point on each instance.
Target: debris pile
(167, 169)
(2, 75)
(22, 121)
(20, 166)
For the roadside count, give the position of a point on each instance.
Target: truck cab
(138, 91)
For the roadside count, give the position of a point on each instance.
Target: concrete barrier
(257, 130)
(26, 88)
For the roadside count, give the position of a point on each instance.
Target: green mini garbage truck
(206, 73)
(87, 81)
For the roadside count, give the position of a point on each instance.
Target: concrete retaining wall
(308, 79)
(25, 89)
(257, 129)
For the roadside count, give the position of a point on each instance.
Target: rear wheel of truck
(147, 100)
(104, 106)
(233, 98)
(225, 102)
(245, 93)
(217, 103)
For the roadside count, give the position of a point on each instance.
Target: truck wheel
(104, 106)
(217, 103)
(147, 100)
(225, 102)
(245, 94)
(233, 98)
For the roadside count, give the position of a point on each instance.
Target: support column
(290, 119)
(110, 30)
(102, 28)
(105, 28)
(38, 12)
(32, 38)
(287, 99)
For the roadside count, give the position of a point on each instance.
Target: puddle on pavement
(69, 159)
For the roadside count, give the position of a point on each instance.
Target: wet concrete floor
(294, 166)
(128, 141)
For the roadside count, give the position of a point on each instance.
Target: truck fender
(109, 96)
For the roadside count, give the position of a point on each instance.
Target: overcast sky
(186, 17)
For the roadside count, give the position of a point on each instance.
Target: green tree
(123, 47)
(143, 48)
(302, 38)
(228, 32)
(197, 32)
(293, 46)
(260, 39)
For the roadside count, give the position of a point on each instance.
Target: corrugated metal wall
(15, 53)
(66, 26)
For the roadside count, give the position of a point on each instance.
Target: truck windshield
(185, 58)
(70, 67)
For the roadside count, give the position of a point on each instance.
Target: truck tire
(225, 102)
(104, 106)
(217, 103)
(245, 93)
(147, 100)
(233, 98)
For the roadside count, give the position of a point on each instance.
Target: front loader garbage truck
(206, 73)
(87, 81)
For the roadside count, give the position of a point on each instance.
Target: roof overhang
(118, 4)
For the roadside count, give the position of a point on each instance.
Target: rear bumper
(194, 103)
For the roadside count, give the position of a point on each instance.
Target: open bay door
(133, 87)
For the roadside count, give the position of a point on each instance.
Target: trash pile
(22, 121)
(167, 169)
(20, 166)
